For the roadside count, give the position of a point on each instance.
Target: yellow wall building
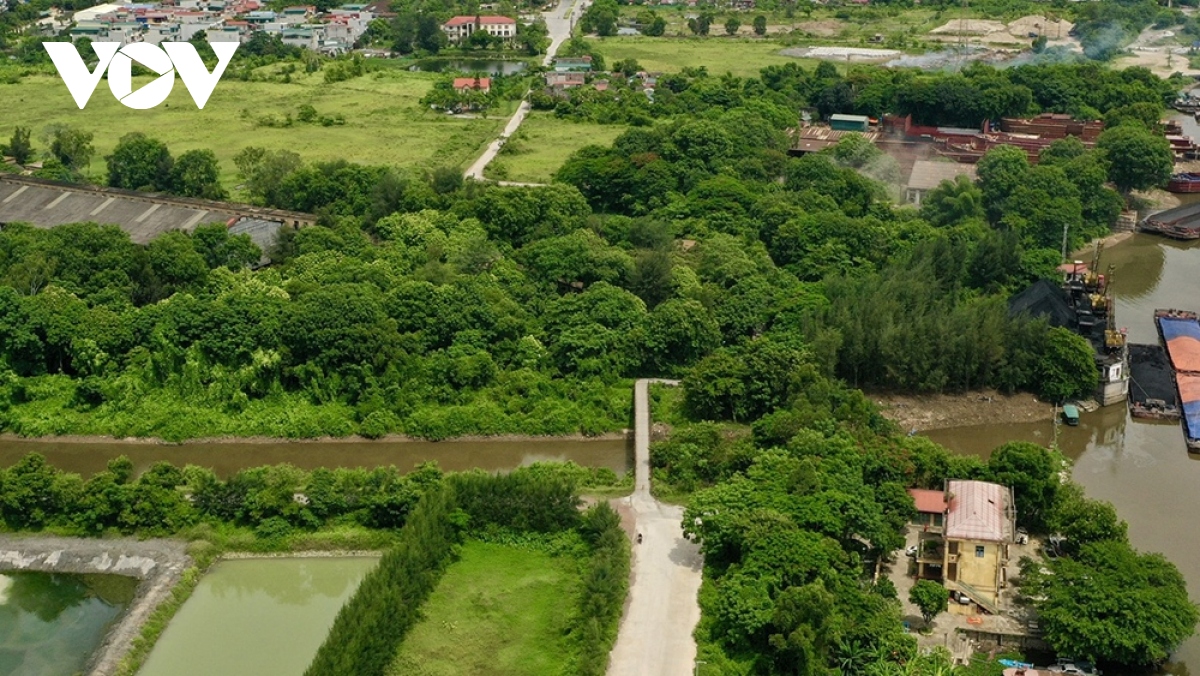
(979, 527)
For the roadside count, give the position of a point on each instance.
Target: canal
(87, 458)
(1141, 467)
(257, 617)
(51, 623)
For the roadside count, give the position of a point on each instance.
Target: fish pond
(257, 617)
(50, 623)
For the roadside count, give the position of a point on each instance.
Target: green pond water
(51, 623)
(257, 617)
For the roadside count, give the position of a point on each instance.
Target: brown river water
(1141, 467)
(226, 458)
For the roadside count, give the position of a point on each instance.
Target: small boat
(1070, 414)
(1187, 182)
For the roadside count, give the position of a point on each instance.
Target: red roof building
(463, 84)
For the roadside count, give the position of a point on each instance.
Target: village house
(564, 64)
(559, 82)
(460, 28)
(463, 85)
(927, 175)
(963, 538)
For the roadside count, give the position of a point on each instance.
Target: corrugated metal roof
(849, 118)
(927, 175)
(927, 500)
(977, 511)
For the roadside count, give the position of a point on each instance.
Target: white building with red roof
(461, 27)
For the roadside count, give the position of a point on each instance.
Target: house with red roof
(466, 84)
(460, 28)
(963, 538)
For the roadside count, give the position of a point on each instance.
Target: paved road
(655, 638)
(558, 25)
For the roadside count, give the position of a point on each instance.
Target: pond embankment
(157, 564)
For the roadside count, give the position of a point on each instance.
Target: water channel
(51, 623)
(87, 458)
(1143, 468)
(256, 617)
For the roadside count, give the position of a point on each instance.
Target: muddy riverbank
(940, 411)
(157, 564)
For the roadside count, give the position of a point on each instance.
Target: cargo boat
(1152, 384)
(1179, 331)
(1189, 394)
(1181, 222)
(1184, 183)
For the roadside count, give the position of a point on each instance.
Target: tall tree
(140, 163)
(196, 174)
(1138, 159)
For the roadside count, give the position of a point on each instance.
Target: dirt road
(656, 631)
(558, 24)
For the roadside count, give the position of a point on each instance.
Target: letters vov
(164, 60)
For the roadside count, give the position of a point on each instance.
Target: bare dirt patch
(939, 411)
(827, 28)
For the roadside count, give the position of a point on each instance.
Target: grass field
(744, 57)
(384, 122)
(543, 143)
(500, 611)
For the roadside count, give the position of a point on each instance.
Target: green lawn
(740, 56)
(543, 143)
(384, 122)
(499, 610)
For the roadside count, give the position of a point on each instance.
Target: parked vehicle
(1070, 414)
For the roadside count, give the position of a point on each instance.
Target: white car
(911, 551)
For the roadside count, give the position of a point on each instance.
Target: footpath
(662, 610)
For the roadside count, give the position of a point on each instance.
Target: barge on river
(1184, 183)
(1180, 223)
(1152, 384)
(1179, 331)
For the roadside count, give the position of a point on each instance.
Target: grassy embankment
(385, 123)
(499, 610)
(543, 143)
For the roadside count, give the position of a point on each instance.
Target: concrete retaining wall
(157, 564)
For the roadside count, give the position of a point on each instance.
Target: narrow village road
(558, 24)
(655, 638)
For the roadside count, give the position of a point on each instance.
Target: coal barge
(1152, 384)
